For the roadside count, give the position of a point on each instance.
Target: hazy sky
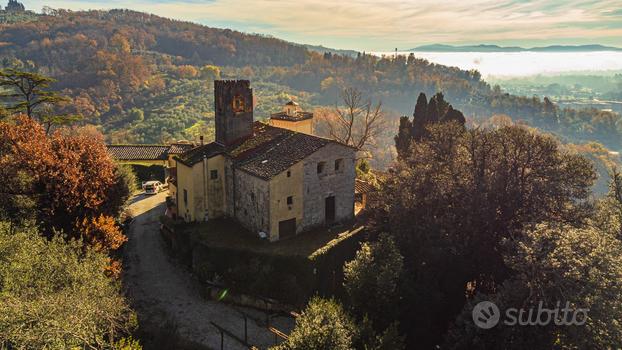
(382, 25)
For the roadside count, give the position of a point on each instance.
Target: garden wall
(289, 279)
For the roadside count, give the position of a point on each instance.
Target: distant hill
(497, 48)
(147, 79)
(321, 49)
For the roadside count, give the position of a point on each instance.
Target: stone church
(274, 178)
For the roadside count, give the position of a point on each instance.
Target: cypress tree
(404, 137)
(433, 112)
(420, 117)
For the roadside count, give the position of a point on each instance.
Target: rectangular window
(320, 167)
(185, 198)
(338, 165)
(290, 200)
(289, 173)
(213, 174)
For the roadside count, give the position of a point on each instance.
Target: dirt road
(162, 291)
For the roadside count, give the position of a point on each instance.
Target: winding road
(163, 292)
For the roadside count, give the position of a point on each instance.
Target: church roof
(269, 152)
(282, 154)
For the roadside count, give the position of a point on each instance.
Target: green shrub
(55, 295)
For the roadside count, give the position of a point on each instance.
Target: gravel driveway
(162, 291)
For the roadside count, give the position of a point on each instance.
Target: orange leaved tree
(67, 178)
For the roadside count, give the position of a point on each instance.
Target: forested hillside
(148, 79)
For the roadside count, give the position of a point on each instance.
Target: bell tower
(233, 102)
(292, 117)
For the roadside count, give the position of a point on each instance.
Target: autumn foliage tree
(69, 176)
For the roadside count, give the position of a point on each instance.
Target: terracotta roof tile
(179, 148)
(267, 153)
(197, 154)
(282, 154)
(138, 152)
(361, 186)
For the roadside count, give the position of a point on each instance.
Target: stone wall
(340, 184)
(252, 202)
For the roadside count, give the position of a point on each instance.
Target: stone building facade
(274, 180)
(329, 187)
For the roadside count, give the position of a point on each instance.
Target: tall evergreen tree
(442, 105)
(437, 110)
(420, 117)
(404, 136)
(421, 108)
(453, 115)
(433, 113)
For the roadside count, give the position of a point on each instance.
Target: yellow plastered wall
(172, 190)
(303, 126)
(282, 187)
(203, 191)
(171, 161)
(185, 183)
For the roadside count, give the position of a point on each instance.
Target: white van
(152, 187)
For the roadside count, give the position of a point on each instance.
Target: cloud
(384, 24)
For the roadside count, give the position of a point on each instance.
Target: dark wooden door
(329, 209)
(287, 228)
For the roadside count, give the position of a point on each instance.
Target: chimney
(201, 139)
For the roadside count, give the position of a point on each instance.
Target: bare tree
(357, 123)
